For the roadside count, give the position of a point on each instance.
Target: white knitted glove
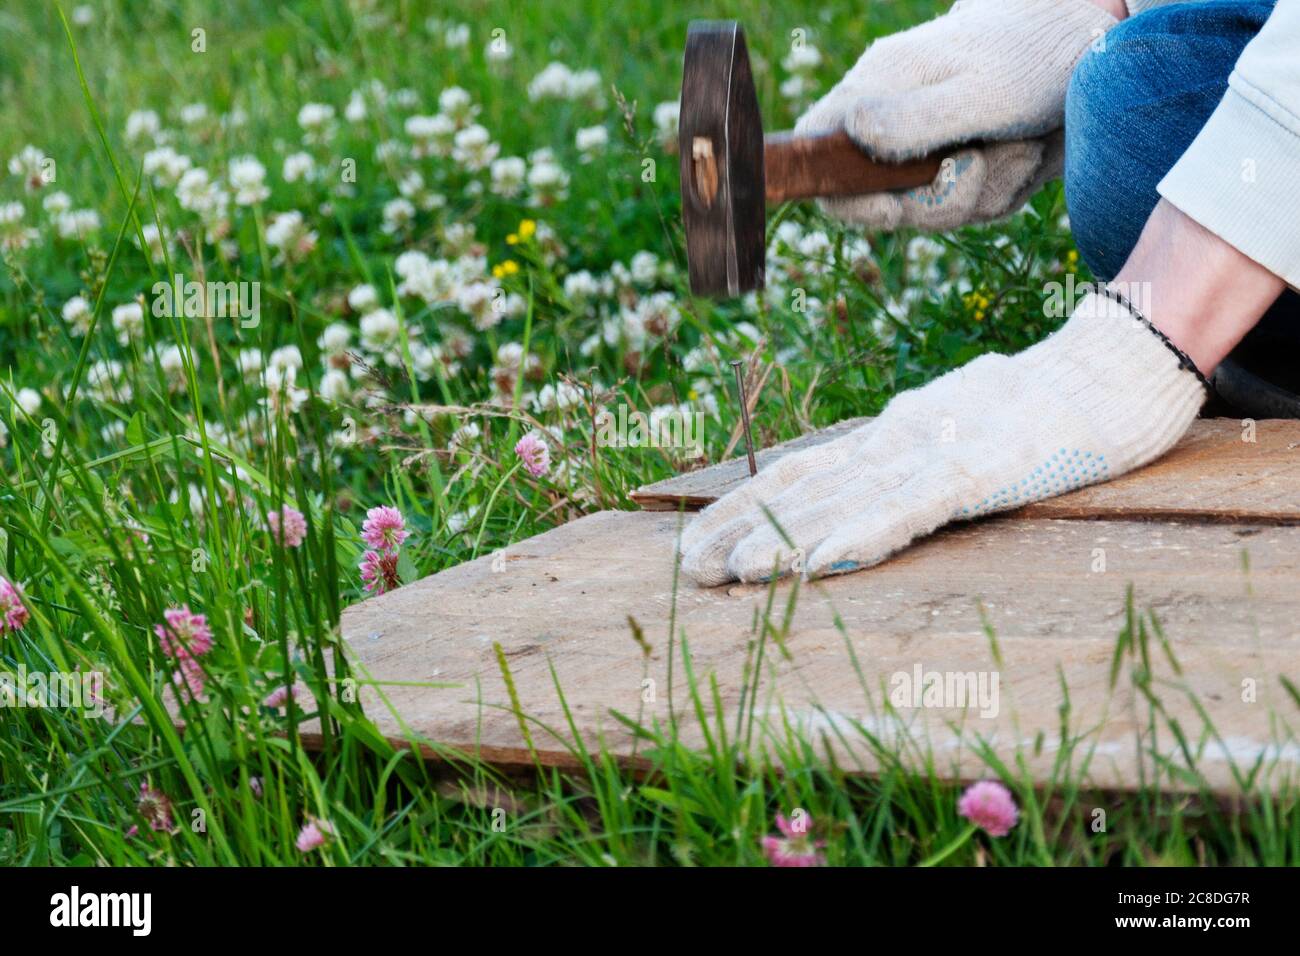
(1101, 396)
(988, 70)
(975, 185)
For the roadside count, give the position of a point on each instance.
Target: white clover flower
(282, 391)
(798, 87)
(142, 124)
(128, 322)
(458, 237)
(334, 386)
(29, 400)
(802, 58)
(410, 262)
(286, 356)
(430, 135)
(249, 363)
(473, 148)
(193, 113)
(317, 122)
(57, 203)
(423, 359)
(581, 287)
(198, 193)
(592, 139)
(154, 243)
(336, 337)
(468, 268)
(548, 181)
(857, 251)
(457, 104)
(379, 330)
(299, 166)
(508, 175)
(552, 83)
(12, 233)
(77, 313)
(288, 233)
(405, 98)
(445, 354)
(411, 186)
(389, 149)
(355, 111)
(172, 362)
(509, 364)
(398, 214)
(465, 435)
(83, 15)
(247, 177)
(924, 249)
(585, 85)
(165, 165)
(31, 164)
(458, 522)
(102, 380)
(363, 298)
(666, 117)
(78, 224)
(658, 314)
(559, 396)
(476, 299)
(456, 36)
(433, 280)
(644, 268)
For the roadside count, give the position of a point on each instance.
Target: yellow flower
(1072, 257)
(512, 239)
(526, 228)
(979, 316)
(507, 268)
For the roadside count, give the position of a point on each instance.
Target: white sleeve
(1239, 177)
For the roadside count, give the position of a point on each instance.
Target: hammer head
(721, 137)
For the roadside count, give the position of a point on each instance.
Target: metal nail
(744, 417)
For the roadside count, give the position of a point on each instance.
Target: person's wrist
(1198, 290)
(1116, 8)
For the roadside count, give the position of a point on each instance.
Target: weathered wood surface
(561, 600)
(1211, 475)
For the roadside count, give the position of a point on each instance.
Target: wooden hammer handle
(831, 164)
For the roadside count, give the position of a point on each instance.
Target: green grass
(142, 485)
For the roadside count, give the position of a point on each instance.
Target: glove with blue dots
(1100, 397)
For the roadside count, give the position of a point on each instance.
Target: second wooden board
(1222, 470)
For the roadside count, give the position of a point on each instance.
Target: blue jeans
(1132, 110)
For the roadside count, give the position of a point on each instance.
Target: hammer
(729, 172)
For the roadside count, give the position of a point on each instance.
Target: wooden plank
(561, 601)
(694, 490)
(1211, 475)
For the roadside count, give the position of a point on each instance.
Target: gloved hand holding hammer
(1154, 113)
